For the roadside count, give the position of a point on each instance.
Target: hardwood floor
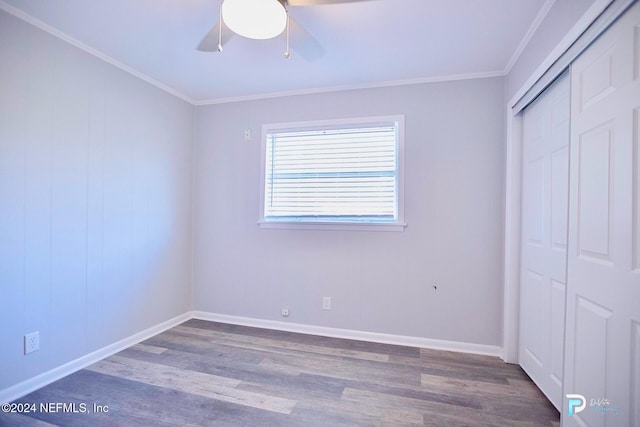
(204, 373)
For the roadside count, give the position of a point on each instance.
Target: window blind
(332, 175)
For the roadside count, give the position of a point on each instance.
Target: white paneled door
(545, 193)
(602, 361)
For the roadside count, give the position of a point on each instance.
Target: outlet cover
(326, 303)
(285, 312)
(31, 342)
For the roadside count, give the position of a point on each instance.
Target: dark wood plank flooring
(204, 374)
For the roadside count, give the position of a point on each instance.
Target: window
(333, 174)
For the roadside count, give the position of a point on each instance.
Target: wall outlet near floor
(326, 303)
(32, 342)
(285, 312)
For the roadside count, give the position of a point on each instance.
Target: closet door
(603, 296)
(545, 192)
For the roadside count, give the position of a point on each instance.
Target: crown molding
(435, 79)
(86, 48)
(318, 90)
(591, 14)
(544, 11)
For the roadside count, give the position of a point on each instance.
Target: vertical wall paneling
(117, 224)
(13, 87)
(39, 146)
(95, 202)
(70, 111)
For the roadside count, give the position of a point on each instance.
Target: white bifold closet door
(545, 192)
(602, 360)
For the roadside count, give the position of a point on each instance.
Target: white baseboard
(25, 387)
(460, 347)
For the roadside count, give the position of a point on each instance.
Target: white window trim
(399, 225)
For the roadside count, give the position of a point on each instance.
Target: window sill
(351, 226)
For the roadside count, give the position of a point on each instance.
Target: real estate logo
(576, 402)
(602, 404)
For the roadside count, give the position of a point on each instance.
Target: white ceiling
(366, 43)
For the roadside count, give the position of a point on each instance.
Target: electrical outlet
(326, 303)
(247, 135)
(285, 312)
(31, 342)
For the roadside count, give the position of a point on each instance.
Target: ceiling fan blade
(319, 2)
(304, 43)
(209, 42)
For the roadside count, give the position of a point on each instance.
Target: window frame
(397, 120)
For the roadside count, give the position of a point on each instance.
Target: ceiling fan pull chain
(287, 53)
(220, 29)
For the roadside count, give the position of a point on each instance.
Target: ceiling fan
(264, 19)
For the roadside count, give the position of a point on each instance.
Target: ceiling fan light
(255, 19)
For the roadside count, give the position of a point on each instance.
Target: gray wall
(379, 281)
(96, 207)
(95, 202)
(562, 16)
